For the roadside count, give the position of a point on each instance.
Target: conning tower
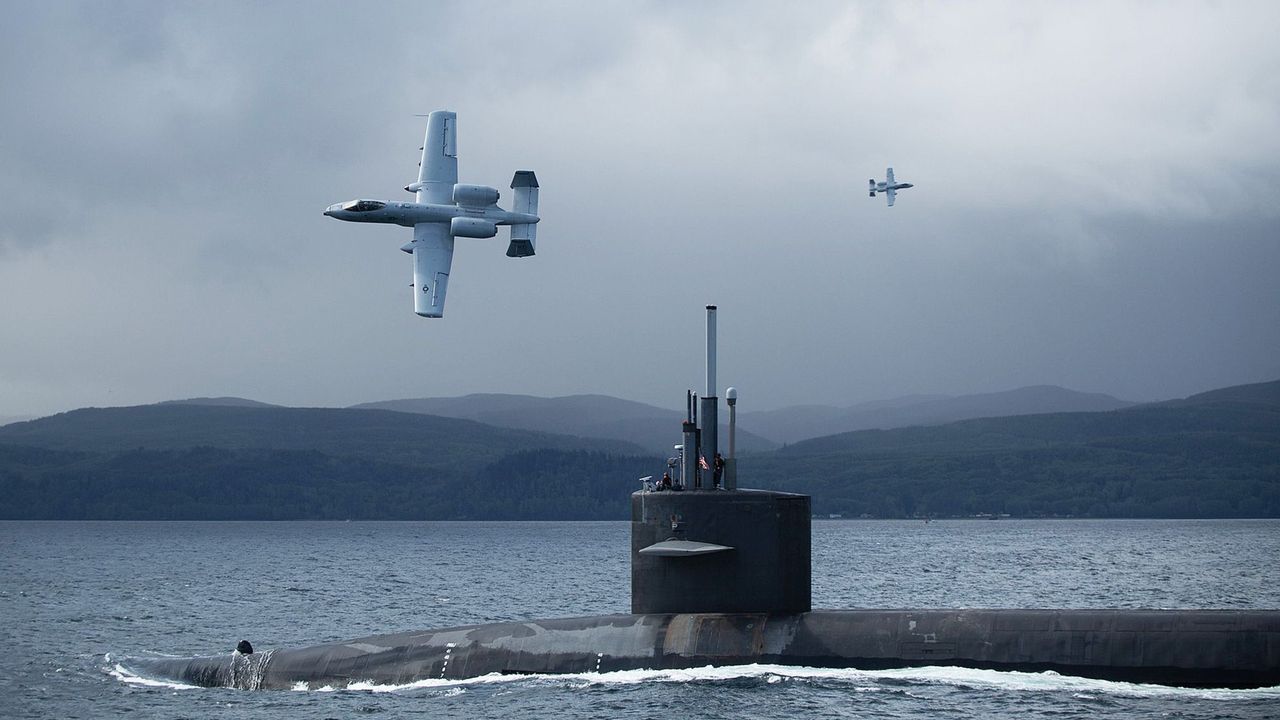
(705, 546)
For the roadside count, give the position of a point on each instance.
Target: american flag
(702, 463)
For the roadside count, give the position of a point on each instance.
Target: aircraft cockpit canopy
(363, 205)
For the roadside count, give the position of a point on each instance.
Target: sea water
(78, 599)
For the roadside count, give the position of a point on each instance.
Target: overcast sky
(1097, 199)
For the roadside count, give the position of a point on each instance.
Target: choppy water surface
(77, 597)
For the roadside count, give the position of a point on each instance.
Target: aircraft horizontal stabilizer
(524, 178)
(524, 235)
(521, 246)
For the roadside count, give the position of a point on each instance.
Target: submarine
(722, 576)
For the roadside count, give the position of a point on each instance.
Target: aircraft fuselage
(883, 186)
(409, 214)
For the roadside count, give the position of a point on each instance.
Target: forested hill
(794, 424)
(1212, 455)
(1208, 413)
(1267, 393)
(195, 461)
(405, 438)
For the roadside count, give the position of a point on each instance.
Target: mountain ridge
(802, 422)
(381, 434)
(584, 415)
(1215, 454)
(223, 401)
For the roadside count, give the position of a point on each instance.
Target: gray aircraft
(889, 187)
(444, 210)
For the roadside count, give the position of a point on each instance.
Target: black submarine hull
(1188, 648)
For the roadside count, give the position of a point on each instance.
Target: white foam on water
(1054, 682)
(125, 675)
(452, 692)
(454, 687)
(863, 680)
(446, 688)
(860, 680)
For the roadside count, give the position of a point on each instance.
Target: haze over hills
(1256, 393)
(379, 434)
(653, 428)
(656, 429)
(217, 462)
(1207, 412)
(801, 422)
(1215, 454)
(219, 401)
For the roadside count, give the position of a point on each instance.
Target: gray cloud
(1094, 203)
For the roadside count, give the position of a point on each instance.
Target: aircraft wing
(439, 168)
(888, 180)
(432, 255)
(890, 194)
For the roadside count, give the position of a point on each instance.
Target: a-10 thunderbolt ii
(889, 187)
(444, 210)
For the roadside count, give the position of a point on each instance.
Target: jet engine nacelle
(472, 227)
(475, 196)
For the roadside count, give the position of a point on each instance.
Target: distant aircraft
(888, 187)
(445, 210)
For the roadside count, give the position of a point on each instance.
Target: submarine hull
(1189, 648)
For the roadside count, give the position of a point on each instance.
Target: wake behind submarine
(722, 576)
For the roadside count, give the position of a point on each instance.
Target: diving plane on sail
(444, 210)
(889, 187)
